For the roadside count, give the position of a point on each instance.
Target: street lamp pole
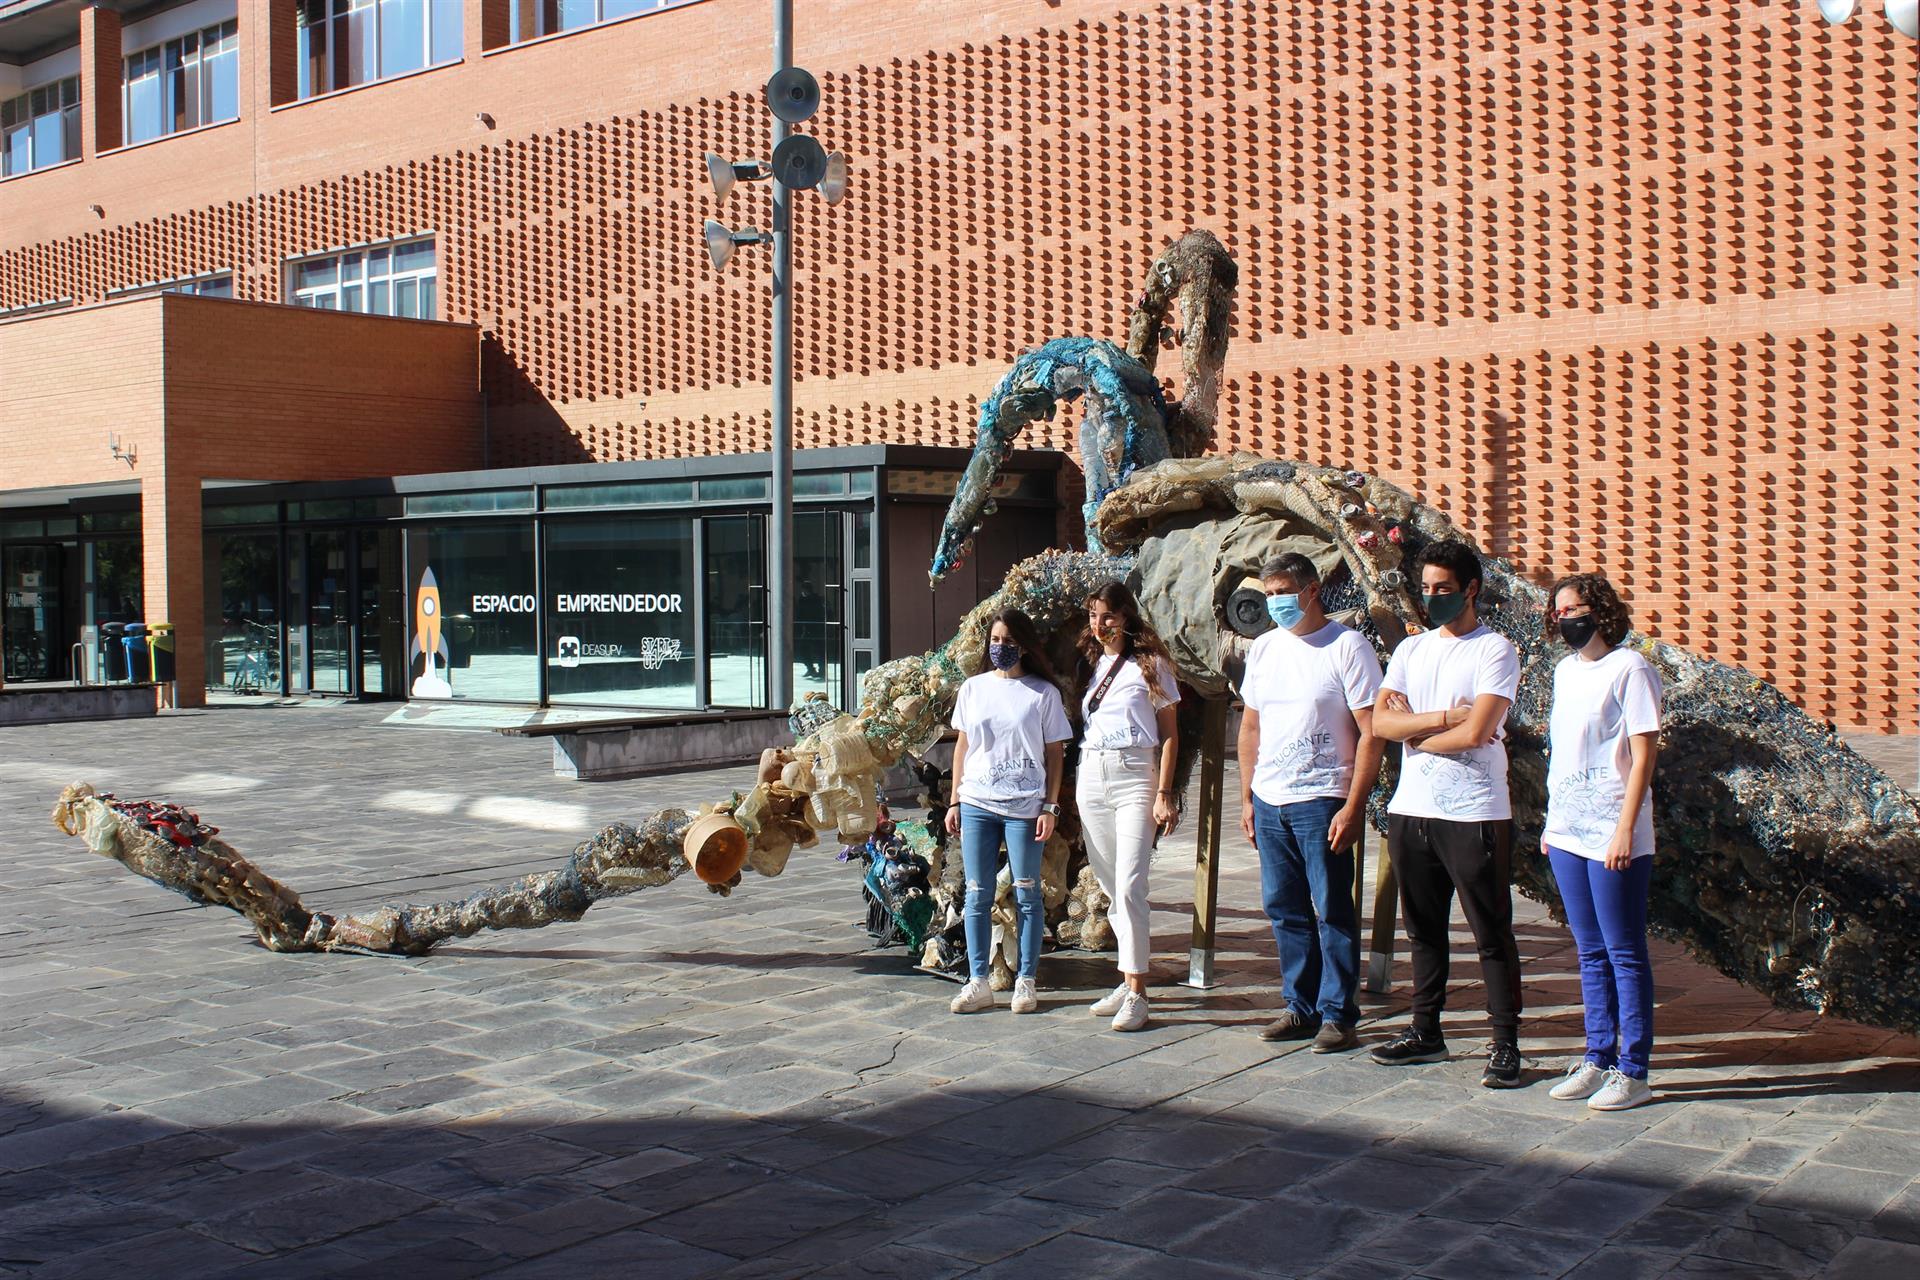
(780, 530)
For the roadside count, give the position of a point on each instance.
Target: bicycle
(258, 670)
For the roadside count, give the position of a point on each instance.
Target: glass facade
(245, 639)
(736, 608)
(474, 612)
(621, 607)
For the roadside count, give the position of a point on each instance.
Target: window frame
(22, 116)
(351, 31)
(170, 63)
(359, 269)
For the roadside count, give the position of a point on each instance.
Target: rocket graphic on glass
(429, 640)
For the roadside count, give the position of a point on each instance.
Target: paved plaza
(683, 1085)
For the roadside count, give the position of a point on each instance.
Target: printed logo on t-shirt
(1587, 805)
(1112, 739)
(1310, 760)
(1458, 784)
(1014, 769)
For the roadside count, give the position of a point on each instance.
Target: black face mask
(1577, 631)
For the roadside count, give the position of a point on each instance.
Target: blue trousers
(1607, 911)
(981, 833)
(1308, 892)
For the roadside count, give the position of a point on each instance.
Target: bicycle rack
(77, 658)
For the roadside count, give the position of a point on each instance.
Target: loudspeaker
(799, 163)
(793, 94)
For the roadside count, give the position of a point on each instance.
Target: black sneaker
(1503, 1067)
(1410, 1047)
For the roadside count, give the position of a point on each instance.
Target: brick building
(1628, 286)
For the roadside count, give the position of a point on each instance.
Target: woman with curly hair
(1006, 787)
(1603, 735)
(1129, 700)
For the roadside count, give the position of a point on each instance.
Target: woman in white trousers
(1129, 699)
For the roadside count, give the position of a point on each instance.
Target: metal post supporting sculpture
(1786, 860)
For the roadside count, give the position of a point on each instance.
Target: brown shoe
(1335, 1037)
(1288, 1026)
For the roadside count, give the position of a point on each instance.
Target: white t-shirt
(1128, 715)
(1597, 708)
(1305, 689)
(1008, 723)
(1437, 670)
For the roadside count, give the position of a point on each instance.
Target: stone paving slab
(681, 1085)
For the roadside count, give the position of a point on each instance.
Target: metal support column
(1206, 849)
(780, 527)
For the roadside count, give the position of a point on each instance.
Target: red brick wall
(1631, 289)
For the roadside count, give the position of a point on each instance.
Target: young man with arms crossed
(1308, 760)
(1449, 825)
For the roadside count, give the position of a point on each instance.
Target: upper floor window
(40, 127)
(390, 280)
(349, 42)
(213, 286)
(549, 17)
(184, 83)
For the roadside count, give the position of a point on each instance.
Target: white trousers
(1115, 793)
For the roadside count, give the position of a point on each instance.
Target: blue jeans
(1308, 890)
(1607, 912)
(980, 835)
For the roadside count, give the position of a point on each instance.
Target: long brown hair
(1033, 656)
(1137, 641)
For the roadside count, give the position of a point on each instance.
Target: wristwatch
(1051, 809)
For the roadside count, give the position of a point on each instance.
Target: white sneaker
(1132, 1014)
(973, 997)
(1024, 998)
(1108, 1005)
(1583, 1081)
(1621, 1092)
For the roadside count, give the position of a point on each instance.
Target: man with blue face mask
(1308, 760)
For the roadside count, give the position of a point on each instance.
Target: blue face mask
(1005, 657)
(1285, 611)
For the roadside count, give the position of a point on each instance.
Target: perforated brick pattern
(1627, 286)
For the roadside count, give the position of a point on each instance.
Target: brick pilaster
(488, 25)
(283, 47)
(100, 70)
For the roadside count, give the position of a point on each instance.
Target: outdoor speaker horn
(799, 162)
(793, 94)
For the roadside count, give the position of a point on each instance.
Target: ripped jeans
(980, 835)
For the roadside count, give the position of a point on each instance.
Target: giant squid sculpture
(1786, 860)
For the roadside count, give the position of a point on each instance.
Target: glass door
(819, 606)
(330, 612)
(736, 606)
(379, 633)
(32, 626)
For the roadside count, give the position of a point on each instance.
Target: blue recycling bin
(134, 642)
(113, 652)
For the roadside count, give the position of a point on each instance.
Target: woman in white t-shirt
(1006, 787)
(1129, 701)
(1603, 735)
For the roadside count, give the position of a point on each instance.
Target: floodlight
(722, 241)
(833, 186)
(723, 173)
(1905, 14)
(1837, 11)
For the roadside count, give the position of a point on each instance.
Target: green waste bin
(160, 650)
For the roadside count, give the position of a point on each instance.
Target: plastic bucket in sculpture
(716, 847)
